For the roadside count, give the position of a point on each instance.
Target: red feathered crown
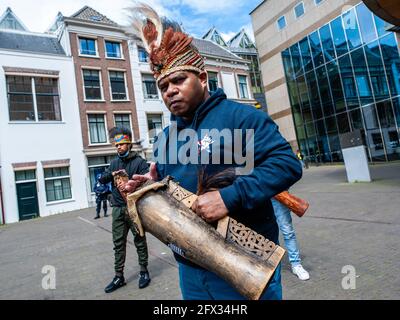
(170, 51)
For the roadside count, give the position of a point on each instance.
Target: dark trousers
(98, 206)
(121, 224)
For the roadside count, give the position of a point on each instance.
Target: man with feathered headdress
(180, 75)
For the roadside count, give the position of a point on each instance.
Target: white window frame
(95, 44)
(143, 88)
(58, 178)
(120, 48)
(147, 123)
(101, 84)
(128, 113)
(95, 166)
(35, 110)
(148, 58)
(25, 181)
(125, 82)
(90, 144)
(294, 10)
(277, 23)
(317, 4)
(247, 85)
(218, 81)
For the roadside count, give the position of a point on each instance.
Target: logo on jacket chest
(205, 143)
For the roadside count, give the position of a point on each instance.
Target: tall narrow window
(58, 184)
(299, 10)
(87, 47)
(281, 22)
(149, 87)
(47, 99)
(20, 98)
(244, 93)
(113, 49)
(97, 165)
(143, 56)
(91, 79)
(154, 122)
(118, 89)
(212, 81)
(122, 120)
(97, 128)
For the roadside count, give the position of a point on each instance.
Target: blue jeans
(284, 220)
(200, 284)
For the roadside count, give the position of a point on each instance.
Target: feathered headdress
(169, 48)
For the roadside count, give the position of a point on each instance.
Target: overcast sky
(197, 16)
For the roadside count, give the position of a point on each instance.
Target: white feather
(138, 15)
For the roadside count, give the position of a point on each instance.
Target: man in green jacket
(132, 163)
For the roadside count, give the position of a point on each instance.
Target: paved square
(354, 225)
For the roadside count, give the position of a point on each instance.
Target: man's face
(122, 148)
(183, 92)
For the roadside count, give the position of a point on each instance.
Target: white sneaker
(299, 271)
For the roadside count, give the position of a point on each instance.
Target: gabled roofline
(7, 11)
(87, 7)
(235, 58)
(79, 11)
(96, 25)
(30, 33)
(242, 33)
(257, 7)
(58, 16)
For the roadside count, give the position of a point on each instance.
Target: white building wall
(42, 141)
(145, 106)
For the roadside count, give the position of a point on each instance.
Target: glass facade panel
(316, 49)
(314, 95)
(396, 108)
(351, 28)
(339, 38)
(362, 77)
(376, 71)
(324, 154)
(345, 76)
(304, 99)
(306, 55)
(373, 133)
(336, 86)
(326, 98)
(356, 119)
(296, 60)
(366, 21)
(349, 84)
(391, 58)
(380, 26)
(389, 129)
(343, 123)
(327, 43)
(287, 64)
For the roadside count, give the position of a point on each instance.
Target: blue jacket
(276, 167)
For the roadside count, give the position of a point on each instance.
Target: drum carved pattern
(250, 240)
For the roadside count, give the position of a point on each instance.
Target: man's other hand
(138, 179)
(210, 206)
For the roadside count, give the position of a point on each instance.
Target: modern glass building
(342, 77)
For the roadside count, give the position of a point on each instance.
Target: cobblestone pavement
(354, 225)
